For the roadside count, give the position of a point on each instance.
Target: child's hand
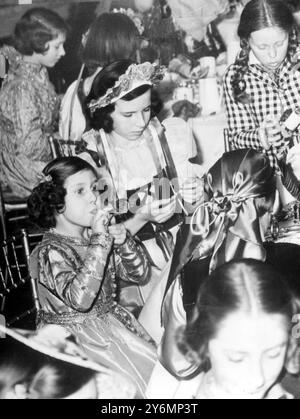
(158, 211)
(100, 222)
(118, 232)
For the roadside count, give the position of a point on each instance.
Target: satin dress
(77, 289)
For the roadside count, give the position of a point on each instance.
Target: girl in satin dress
(76, 266)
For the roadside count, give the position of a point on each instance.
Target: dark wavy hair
(37, 27)
(258, 15)
(111, 37)
(236, 286)
(106, 79)
(48, 198)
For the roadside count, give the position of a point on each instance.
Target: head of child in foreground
(67, 195)
(241, 330)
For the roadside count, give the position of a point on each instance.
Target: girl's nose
(140, 120)
(256, 378)
(93, 196)
(273, 53)
(62, 52)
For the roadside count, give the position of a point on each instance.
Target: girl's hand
(118, 232)
(158, 211)
(271, 134)
(100, 222)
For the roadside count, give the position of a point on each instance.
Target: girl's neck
(71, 230)
(123, 142)
(32, 59)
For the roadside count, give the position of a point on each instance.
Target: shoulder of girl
(174, 122)
(229, 72)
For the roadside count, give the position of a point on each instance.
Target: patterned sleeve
(26, 118)
(132, 262)
(76, 283)
(244, 131)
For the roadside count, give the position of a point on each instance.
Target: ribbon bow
(44, 179)
(224, 221)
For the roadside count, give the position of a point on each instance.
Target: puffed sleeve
(244, 131)
(76, 283)
(132, 262)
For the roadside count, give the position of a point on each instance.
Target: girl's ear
(292, 364)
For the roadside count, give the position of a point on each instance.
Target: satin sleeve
(132, 262)
(76, 283)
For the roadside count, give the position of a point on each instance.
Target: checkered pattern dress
(270, 95)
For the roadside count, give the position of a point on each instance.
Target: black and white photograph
(150, 202)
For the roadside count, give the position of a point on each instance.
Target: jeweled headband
(136, 75)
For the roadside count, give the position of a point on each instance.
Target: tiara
(133, 16)
(135, 76)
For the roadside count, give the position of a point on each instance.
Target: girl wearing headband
(148, 163)
(111, 37)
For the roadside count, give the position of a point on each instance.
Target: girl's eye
(274, 354)
(129, 115)
(147, 110)
(80, 191)
(236, 360)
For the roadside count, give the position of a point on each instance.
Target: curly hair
(106, 79)
(36, 28)
(236, 286)
(258, 15)
(47, 200)
(111, 37)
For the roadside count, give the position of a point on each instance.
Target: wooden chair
(19, 302)
(64, 148)
(11, 213)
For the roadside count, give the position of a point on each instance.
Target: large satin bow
(227, 226)
(233, 218)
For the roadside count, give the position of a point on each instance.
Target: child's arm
(244, 130)
(77, 283)
(132, 262)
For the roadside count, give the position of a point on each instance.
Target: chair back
(64, 148)
(19, 302)
(13, 215)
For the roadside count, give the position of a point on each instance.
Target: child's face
(55, 51)
(270, 46)
(81, 199)
(248, 354)
(132, 118)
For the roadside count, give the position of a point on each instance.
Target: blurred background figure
(49, 365)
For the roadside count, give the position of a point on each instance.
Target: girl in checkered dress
(264, 82)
